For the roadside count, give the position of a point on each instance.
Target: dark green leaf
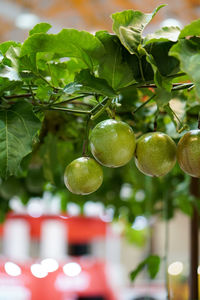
(87, 83)
(113, 65)
(40, 28)
(18, 126)
(129, 25)
(192, 29)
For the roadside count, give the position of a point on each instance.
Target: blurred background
(85, 258)
(18, 16)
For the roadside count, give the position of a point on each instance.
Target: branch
(19, 96)
(68, 110)
(143, 104)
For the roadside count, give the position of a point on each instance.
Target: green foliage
(18, 127)
(129, 25)
(52, 85)
(152, 263)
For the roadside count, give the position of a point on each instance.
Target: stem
(85, 142)
(95, 116)
(143, 104)
(68, 110)
(173, 112)
(182, 86)
(99, 104)
(18, 96)
(141, 70)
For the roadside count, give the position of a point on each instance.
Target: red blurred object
(80, 229)
(90, 282)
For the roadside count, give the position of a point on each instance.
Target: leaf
(40, 28)
(129, 25)
(164, 34)
(113, 65)
(67, 43)
(152, 263)
(11, 72)
(18, 126)
(6, 45)
(87, 83)
(166, 64)
(162, 97)
(188, 53)
(192, 29)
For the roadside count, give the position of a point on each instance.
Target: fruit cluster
(113, 144)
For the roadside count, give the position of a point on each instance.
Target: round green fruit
(188, 153)
(155, 154)
(112, 143)
(83, 176)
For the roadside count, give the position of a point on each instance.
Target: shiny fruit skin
(155, 154)
(188, 153)
(83, 176)
(112, 143)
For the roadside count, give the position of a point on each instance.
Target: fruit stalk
(193, 282)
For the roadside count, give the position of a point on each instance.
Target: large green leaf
(164, 34)
(129, 26)
(113, 65)
(188, 53)
(192, 29)
(86, 83)
(67, 43)
(40, 28)
(18, 126)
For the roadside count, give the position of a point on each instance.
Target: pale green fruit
(83, 176)
(112, 143)
(155, 154)
(188, 153)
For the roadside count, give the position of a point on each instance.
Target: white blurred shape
(16, 205)
(175, 268)
(12, 269)
(53, 239)
(35, 207)
(50, 264)
(38, 271)
(140, 223)
(72, 269)
(26, 21)
(126, 191)
(139, 195)
(93, 209)
(171, 22)
(73, 209)
(16, 239)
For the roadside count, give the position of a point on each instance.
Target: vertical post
(194, 251)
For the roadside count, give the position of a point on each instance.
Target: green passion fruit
(112, 143)
(188, 153)
(83, 176)
(155, 154)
